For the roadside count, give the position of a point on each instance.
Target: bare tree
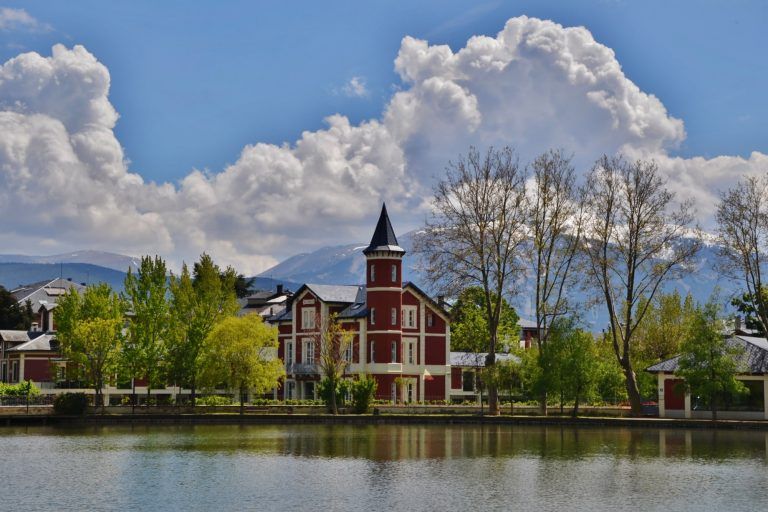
(475, 233)
(742, 221)
(555, 223)
(634, 242)
(333, 344)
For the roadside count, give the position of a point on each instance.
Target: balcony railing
(301, 368)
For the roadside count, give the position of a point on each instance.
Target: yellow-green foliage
(240, 353)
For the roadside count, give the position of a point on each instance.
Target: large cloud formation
(65, 182)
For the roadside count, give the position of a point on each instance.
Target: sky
(256, 130)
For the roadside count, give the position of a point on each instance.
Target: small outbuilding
(674, 402)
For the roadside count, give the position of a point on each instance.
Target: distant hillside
(100, 258)
(14, 274)
(345, 264)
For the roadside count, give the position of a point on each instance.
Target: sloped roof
(754, 359)
(384, 238)
(357, 309)
(334, 293)
(477, 359)
(45, 293)
(44, 343)
(14, 336)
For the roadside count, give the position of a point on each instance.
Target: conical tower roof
(384, 236)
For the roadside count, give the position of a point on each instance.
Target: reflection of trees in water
(414, 442)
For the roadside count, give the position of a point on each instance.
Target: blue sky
(256, 130)
(194, 81)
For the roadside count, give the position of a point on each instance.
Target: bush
(362, 390)
(214, 400)
(342, 390)
(19, 390)
(70, 403)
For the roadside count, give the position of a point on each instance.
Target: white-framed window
(394, 273)
(373, 316)
(307, 318)
(347, 355)
(410, 352)
(14, 371)
(394, 352)
(373, 351)
(290, 389)
(430, 320)
(373, 272)
(409, 316)
(288, 352)
(308, 351)
(393, 316)
(309, 390)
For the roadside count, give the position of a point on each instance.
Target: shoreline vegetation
(290, 415)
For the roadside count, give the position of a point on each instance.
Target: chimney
(279, 289)
(69, 279)
(441, 300)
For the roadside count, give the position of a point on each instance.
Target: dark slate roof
(44, 343)
(384, 236)
(45, 293)
(285, 315)
(357, 309)
(14, 336)
(754, 359)
(334, 293)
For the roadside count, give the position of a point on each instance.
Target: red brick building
(401, 336)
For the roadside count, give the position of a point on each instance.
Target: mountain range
(345, 264)
(338, 264)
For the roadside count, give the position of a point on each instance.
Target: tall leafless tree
(475, 233)
(555, 221)
(742, 221)
(634, 242)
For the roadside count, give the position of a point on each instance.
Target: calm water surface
(465, 468)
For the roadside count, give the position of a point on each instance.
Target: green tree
(709, 362)
(507, 375)
(198, 302)
(469, 324)
(145, 348)
(570, 367)
(12, 314)
(660, 334)
(241, 354)
(747, 305)
(333, 343)
(610, 376)
(89, 329)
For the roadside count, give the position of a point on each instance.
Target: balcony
(301, 369)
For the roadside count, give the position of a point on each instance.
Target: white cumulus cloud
(65, 182)
(356, 87)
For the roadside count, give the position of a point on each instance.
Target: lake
(314, 467)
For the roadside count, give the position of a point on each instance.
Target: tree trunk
(713, 406)
(334, 406)
(133, 395)
(543, 403)
(192, 392)
(493, 400)
(633, 392)
(576, 402)
(242, 402)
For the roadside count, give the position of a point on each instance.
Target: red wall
(434, 350)
(674, 396)
(435, 389)
(37, 370)
(456, 382)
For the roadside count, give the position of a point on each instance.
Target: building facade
(400, 335)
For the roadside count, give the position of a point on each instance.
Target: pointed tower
(384, 261)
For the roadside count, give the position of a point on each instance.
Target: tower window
(394, 316)
(394, 273)
(373, 316)
(394, 351)
(373, 351)
(373, 273)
